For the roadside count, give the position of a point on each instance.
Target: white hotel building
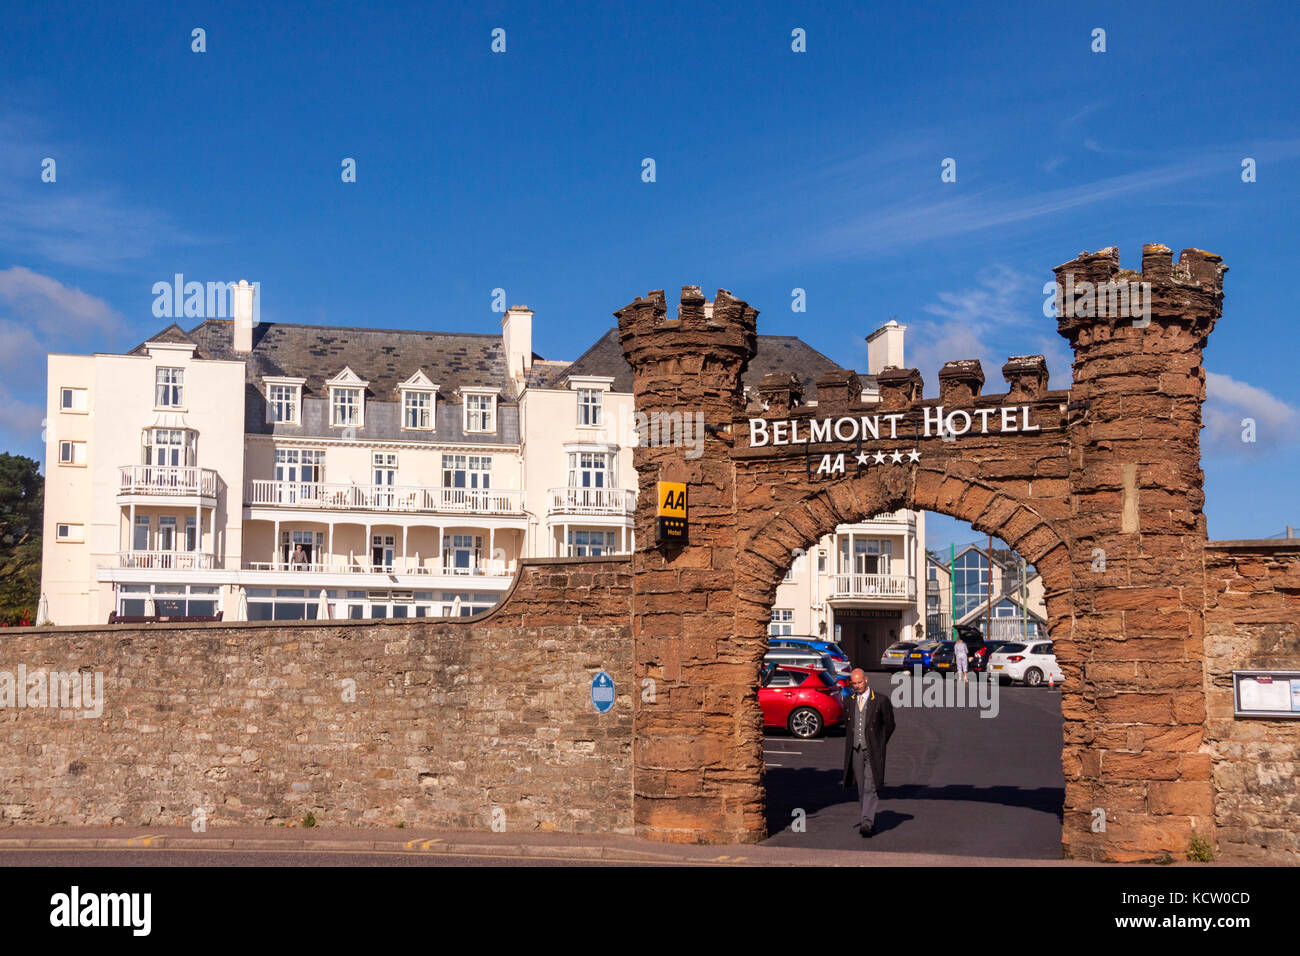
(243, 469)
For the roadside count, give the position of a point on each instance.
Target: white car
(1032, 662)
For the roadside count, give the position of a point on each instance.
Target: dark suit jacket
(879, 715)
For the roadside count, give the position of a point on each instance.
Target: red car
(803, 700)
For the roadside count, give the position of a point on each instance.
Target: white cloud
(52, 306)
(1228, 402)
(997, 317)
(39, 315)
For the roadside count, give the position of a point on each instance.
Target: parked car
(895, 655)
(922, 654)
(1032, 663)
(830, 648)
(803, 700)
(783, 655)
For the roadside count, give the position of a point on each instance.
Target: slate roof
(173, 333)
(388, 357)
(384, 357)
(776, 353)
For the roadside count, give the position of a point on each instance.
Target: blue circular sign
(602, 692)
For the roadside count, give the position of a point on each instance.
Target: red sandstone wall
(1252, 621)
(248, 721)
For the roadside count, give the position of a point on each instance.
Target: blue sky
(775, 170)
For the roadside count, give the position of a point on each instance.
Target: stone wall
(450, 719)
(1252, 622)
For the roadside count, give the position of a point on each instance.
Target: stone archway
(1098, 486)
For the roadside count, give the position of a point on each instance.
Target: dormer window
(589, 406)
(480, 410)
(169, 387)
(347, 405)
(419, 398)
(284, 400)
(590, 391)
(347, 400)
(417, 410)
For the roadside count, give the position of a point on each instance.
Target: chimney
(242, 313)
(885, 347)
(517, 340)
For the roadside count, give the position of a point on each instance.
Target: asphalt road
(955, 782)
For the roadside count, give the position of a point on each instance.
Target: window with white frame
(466, 471)
(140, 541)
(282, 402)
(782, 623)
(869, 556)
(72, 453)
(345, 404)
(460, 553)
(72, 400)
(591, 544)
(300, 464)
(480, 413)
(590, 469)
(589, 406)
(70, 532)
(170, 447)
(417, 409)
(169, 387)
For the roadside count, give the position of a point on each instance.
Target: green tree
(22, 506)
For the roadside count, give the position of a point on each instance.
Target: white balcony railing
(901, 516)
(177, 560)
(339, 496)
(339, 566)
(593, 501)
(166, 480)
(895, 586)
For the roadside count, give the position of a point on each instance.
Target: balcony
(167, 560)
(398, 567)
(167, 480)
(592, 501)
(901, 516)
(405, 499)
(890, 587)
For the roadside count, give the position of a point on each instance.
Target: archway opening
(971, 769)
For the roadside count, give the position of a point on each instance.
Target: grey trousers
(866, 788)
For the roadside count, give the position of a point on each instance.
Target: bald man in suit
(868, 725)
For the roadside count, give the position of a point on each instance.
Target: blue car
(923, 654)
(808, 643)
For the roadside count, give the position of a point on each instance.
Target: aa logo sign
(670, 515)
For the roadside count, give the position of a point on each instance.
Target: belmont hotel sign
(859, 428)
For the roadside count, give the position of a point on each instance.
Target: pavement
(101, 846)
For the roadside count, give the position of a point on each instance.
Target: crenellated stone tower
(698, 733)
(1134, 732)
